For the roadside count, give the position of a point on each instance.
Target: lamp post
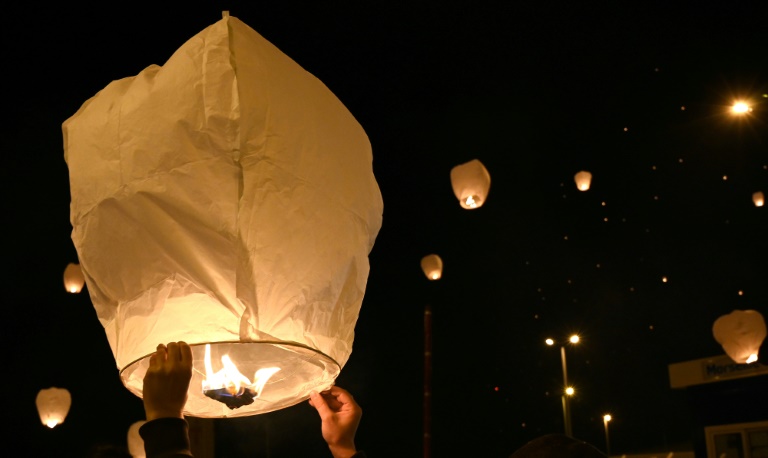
(568, 390)
(432, 266)
(741, 107)
(606, 418)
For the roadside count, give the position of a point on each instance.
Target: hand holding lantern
(340, 416)
(167, 381)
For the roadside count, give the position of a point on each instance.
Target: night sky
(637, 93)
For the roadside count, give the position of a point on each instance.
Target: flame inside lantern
(230, 386)
(283, 374)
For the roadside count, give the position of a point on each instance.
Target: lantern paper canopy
(73, 278)
(432, 266)
(741, 333)
(226, 199)
(53, 405)
(758, 198)
(135, 442)
(471, 182)
(583, 180)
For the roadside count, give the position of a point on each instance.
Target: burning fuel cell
(225, 199)
(229, 386)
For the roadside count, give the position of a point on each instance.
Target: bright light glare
(550, 342)
(752, 358)
(607, 417)
(740, 108)
(51, 423)
(470, 201)
(569, 391)
(574, 339)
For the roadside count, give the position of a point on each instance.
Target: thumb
(318, 402)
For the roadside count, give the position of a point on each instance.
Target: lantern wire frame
(302, 370)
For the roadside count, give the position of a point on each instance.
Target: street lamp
(568, 390)
(606, 418)
(432, 266)
(741, 107)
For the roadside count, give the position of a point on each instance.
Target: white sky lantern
(471, 182)
(741, 333)
(226, 199)
(432, 266)
(758, 198)
(583, 180)
(53, 405)
(73, 278)
(135, 442)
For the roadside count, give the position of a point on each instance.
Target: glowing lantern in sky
(53, 405)
(135, 442)
(226, 199)
(758, 198)
(471, 182)
(583, 180)
(432, 266)
(741, 333)
(73, 278)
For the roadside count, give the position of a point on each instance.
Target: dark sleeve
(359, 454)
(166, 438)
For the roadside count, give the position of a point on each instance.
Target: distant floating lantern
(226, 199)
(583, 180)
(471, 182)
(758, 198)
(432, 266)
(53, 405)
(73, 278)
(741, 333)
(135, 442)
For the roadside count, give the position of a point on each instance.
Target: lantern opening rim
(303, 369)
(288, 343)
